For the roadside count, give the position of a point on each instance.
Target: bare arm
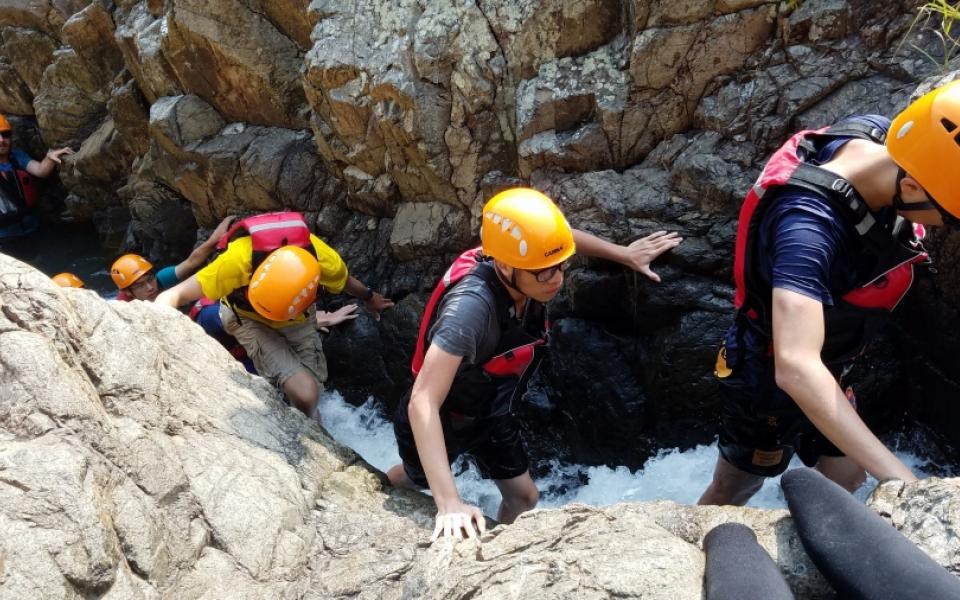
(798, 334)
(185, 292)
(201, 253)
(45, 167)
(376, 303)
(638, 255)
(429, 392)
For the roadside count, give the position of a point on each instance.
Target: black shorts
(762, 427)
(494, 442)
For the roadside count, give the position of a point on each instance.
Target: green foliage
(942, 17)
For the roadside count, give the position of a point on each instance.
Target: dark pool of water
(75, 248)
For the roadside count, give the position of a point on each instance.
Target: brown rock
(29, 51)
(236, 60)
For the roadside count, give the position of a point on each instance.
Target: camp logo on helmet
(553, 251)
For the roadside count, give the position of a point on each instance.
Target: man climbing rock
(480, 339)
(266, 280)
(824, 253)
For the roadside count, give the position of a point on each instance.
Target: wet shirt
(234, 268)
(466, 323)
(804, 244)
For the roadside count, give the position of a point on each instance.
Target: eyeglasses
(6, 134)
(545, 275)
(143, 282)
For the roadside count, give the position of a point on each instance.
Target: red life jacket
(18, 195)
(199, 305)
(489, 386)
(861, 311)
(267, 232)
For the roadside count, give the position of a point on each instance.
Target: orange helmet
(5, 124)
(284, 284)
(129, 268)
(924, 140)
(524, 229)
(67, 280)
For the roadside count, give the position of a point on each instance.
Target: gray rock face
(140, 460)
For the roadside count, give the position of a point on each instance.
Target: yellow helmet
(524, 229)
(67, 280)
(924, 141)
(284, 284)
(129, 268)
(5, 124)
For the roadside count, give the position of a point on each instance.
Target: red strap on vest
(457, 271)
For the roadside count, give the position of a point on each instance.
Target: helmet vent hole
(949, 125)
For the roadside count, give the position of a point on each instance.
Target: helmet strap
(512, 284)
(898, 202)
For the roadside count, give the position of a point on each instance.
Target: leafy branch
(948, 15)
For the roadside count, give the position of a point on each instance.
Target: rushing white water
(671, 475)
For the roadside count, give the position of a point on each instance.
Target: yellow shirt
(234, 267)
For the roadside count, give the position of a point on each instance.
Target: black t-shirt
(466, 323)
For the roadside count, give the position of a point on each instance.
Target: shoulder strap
(848, 129)
(859, 130)
(844, 196)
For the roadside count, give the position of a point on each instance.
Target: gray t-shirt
(466, 323)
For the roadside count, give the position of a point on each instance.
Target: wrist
(368, 294)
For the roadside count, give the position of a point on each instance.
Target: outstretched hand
(325, 319)
(460, 518)
(377, 304)
(644, 251)
(55, 155)
(221, 229)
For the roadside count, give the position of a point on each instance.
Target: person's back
(822, 258)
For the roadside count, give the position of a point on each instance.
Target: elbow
(416, 410)
(789, 371)
(164, 298)
(421, 410)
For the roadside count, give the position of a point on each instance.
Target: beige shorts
(279, 353)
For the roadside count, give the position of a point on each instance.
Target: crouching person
(266, 280)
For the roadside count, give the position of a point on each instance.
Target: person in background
(136, 278)
(67, 280)
(481, 338)
(18, 193)
(266, 280)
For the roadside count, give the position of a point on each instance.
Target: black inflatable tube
(861, 555)
(738, 568)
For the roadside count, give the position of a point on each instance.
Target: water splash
(670, 475)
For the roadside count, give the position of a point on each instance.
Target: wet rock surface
(388, 124)
(139, 460)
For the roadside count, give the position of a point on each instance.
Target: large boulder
(141, 461)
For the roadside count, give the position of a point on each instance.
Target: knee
(524, 500)
(731, 490)
(398, 477)
(852, 481)
(303, 390)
